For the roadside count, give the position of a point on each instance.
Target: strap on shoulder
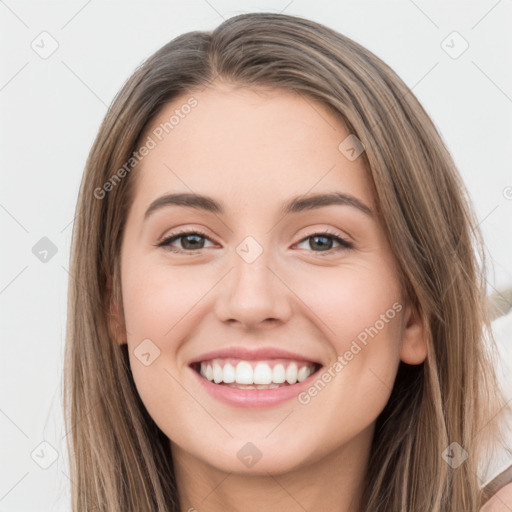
(490, 489)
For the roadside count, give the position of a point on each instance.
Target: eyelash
(344, 244)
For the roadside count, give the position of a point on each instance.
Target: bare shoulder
(501, 501)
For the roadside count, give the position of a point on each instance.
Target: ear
(414, 337)
(115, 319)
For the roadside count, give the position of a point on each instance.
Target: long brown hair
(119, 459)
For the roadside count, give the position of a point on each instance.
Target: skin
(501, 501)
(252, 150)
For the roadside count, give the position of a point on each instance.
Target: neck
(334, 482)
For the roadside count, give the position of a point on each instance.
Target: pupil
(322, 242)
(322, 245)
(188, 237)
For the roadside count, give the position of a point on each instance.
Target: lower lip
(254, 397)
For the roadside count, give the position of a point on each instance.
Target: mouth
(255, 374)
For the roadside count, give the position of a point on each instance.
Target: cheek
(163, 306)
(159, 300)
(354, 300)
(351, 308)
(361, 317)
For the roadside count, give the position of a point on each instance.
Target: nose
(253, 295)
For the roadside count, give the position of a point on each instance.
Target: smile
(254, 379)
(268, 374)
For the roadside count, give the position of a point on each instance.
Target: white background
(51, 110)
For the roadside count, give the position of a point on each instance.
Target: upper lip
(252, 354)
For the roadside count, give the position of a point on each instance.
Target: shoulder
(501, 501)
(498, 493)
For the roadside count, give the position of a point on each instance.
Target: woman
(276, 302)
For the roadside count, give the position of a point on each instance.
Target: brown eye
(323, 242)
(190, 241)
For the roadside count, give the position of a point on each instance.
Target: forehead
(251, 146)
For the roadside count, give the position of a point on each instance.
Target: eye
(194, 240)
(324, 242)
(190, 241)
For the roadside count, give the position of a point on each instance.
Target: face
(257, 331)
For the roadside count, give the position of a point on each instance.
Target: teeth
(256, 386)
(244, 373)
(229, 373)
(209, 372)
(303, 373)
(278, 374)
(218, 374)
(261, 376)
(291, 373)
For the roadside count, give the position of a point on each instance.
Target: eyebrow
(295, 205)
